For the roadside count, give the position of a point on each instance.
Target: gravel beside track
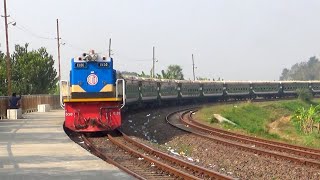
(135, 164)
(151, 128)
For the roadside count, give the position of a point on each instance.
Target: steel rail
(291, 146)
(160, 165)
(273, 145)
(108, 159)
(200, 170)
(240, 146)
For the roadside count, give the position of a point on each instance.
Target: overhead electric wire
(33, 34)
(26, 30)
(71, 46)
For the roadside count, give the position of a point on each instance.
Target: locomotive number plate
(69, 114)
(103, 64)
(80, 65)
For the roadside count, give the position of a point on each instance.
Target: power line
(27, 30)
(23, 28)
(72, 46)
(63, 41)
(33, 34)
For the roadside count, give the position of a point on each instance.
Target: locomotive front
(94, 101)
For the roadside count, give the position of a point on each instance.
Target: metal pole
(194, 77)
(8, 54)
(153, 62)
(110, 47)
(58, 40)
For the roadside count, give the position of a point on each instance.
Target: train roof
(208, 81)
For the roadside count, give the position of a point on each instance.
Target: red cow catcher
(92, 116)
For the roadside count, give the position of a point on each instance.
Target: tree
(33, 71)
(144, 75)
(309, 70)
(126, 73)
(285, 74)
(203, 79)
(173, 72)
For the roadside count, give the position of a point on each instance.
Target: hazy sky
(232, 39)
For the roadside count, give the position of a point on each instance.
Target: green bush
(304, 95)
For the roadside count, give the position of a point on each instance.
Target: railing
(29, 103)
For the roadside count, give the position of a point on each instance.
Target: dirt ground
(277, 126)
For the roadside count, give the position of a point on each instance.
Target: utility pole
(110, 47)
(153, 62)
(7, 44)
(58, 40)
(194, 77)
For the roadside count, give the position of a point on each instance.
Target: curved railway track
(144, 162)
(296, 154)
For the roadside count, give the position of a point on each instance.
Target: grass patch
(255, 117)
(184, 149)
(258, 119)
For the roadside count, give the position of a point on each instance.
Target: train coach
(315, 87)
(214, 91)
(179, 91)
(237, 90)
(168, 90)
(265, 89)
(132, 90)
(289, 88)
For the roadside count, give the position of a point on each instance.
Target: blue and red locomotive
(93, 97)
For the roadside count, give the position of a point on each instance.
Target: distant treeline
(309, 70)
(172, 72)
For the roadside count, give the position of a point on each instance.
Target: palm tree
(173, 72)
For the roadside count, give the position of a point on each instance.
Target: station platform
(36, 147)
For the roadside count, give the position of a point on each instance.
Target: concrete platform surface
(36, 147)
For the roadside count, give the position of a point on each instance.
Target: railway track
(292, 153)
(142, 161)
(299, 150)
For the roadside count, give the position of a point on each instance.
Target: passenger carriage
(237, 89)
(265, 89)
